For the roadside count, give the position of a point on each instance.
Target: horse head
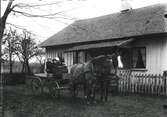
(105, 64)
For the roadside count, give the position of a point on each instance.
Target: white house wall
(164, 55)
(153, 55)
(51, 53)
(156, 55)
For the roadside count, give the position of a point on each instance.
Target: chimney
(126, 6)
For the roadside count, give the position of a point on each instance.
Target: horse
(105, 68)
(81, 74)
(91, 73)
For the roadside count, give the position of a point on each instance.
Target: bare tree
(40, 57)
(10, 42)
(26, 49)
(3, 22)
(12, 7)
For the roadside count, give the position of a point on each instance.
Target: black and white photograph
(83, 58)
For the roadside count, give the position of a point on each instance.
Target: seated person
(49, 66)
(56, 67)
(55, 64)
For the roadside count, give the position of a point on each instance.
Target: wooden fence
(148, 84)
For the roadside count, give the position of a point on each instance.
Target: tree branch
(22, 5)
(16, 26)
(8, 10)
(48, 16)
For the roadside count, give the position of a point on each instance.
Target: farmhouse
(139, 34)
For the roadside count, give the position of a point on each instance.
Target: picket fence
(147, 84)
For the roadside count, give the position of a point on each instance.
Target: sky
(69, 11)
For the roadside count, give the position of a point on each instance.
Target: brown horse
(92, 73)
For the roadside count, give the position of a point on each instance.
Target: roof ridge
(132, 10)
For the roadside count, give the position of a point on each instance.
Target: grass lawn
(21, 103)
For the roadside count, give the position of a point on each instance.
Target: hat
(57, 58)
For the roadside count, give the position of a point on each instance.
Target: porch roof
(101, 45)
(137, 22)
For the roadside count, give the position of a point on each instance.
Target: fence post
(129, 83)
(165, 87)
(165, 81)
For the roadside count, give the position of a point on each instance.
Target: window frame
(132, 59)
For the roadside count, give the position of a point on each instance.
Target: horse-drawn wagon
(99, 71)
(54, 81)
(42, 82)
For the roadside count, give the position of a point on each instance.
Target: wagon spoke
(36, 86)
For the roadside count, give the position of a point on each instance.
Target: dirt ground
(19, 102)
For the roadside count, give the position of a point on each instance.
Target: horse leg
(88, 94)
(101, 90)
(73, 90)
(91, 94)
(94, 95)
(85, 91)
(106, 91)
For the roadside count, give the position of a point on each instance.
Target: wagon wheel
(54, 89)
(36, 86)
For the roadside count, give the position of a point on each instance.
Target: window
(61, 56)
(75, 57)
(78, 57)
(139, 57)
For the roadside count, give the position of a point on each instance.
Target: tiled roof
(142, 21)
